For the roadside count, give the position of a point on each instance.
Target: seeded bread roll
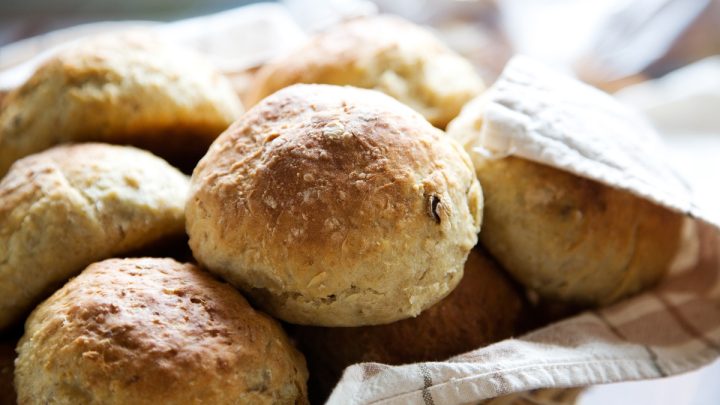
(384, 53)
(335, 206)
(69, 206)
(572, 239)
(154, 331)
(126, 88)
(486, 307)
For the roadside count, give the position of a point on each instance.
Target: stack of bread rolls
(336, 204)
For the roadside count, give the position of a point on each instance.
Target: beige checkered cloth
(670, 330)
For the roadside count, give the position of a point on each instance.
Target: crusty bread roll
(484, 308)
(575, 241)
(64, 208)
(126, 88)
(572, 239)
(335, 206)
(154, 331)
(384, 53)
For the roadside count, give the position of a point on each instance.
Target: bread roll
(572, 239)
(335, 206)
(154, 331)
(384, 53)
(119, 88)
(484, 308)
(64, 208)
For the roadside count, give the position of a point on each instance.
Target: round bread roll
(335, 206)
(154, 331)
(124, 88)
(572, 239)
(69, 206)
(384, 53)
(485, 307)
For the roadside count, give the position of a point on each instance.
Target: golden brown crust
(64, 208)
(335, 206)
(384, 53)
(151, 331)
(124, 88)
(484, 308)
(573, 239)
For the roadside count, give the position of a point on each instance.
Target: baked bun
(384, 53)
(486, 307)
(335, 206)
(127, 88)
(572, 239)
(154, 331)
(69, 206)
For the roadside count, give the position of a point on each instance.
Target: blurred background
(610, 43)
(662, 57)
